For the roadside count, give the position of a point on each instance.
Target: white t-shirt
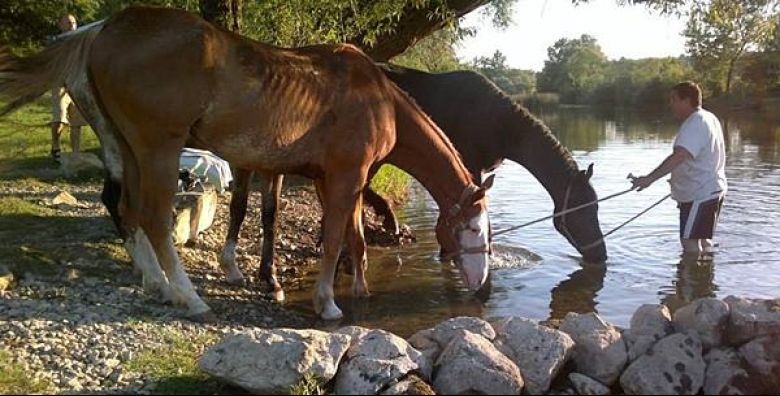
(705, 174)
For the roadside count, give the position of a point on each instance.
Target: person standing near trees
(697, 166)
(64, 111)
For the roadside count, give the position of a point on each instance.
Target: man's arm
(671, 162)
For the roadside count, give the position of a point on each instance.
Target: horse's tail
(24, 79)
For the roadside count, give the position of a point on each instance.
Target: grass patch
(309, 385)
(14, 379)
(392, 183)
(175, 366)
(25, 141)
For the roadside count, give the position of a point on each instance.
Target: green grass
(392, 183)
(25, 141)
(14, 379)
(175, 366)
(309, 385)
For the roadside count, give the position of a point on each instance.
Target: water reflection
(695, 279)
(578, 293)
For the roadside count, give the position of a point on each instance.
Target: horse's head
(581, 228)
(464, 235)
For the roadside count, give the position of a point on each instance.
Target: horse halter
(461, 225)
(565, 228)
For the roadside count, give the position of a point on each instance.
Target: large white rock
(272, 361)
(430, 349)
(752, 318)
(74, 163)
(470, 364)
(674, 366)
(444, 331)
(726, 374)
(762, 360)
(374, 362)
(585, 385)
(539, 352)
(599, 350)
(653, 320)
(709, 317)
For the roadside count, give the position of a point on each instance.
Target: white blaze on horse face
(475, 266)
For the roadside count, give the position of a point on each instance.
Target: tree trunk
(224, 13)
(413, 25)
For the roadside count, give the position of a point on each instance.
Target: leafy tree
(575, 67)
(720, 32)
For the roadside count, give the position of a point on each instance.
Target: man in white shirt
(697, 166)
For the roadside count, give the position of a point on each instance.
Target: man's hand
(642, 182)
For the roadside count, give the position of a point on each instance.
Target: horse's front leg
(340, 196)
(272, 188)
(356, 249)
(238, 204)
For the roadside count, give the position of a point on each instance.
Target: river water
(538, 275)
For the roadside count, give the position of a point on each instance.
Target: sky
(631, 31)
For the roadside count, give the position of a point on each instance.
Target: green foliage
(391, 182)
(14, 380)
(720, 33)
(309, 385)
(574, 69)
(434, 53)
(512, 81)
(175, 366)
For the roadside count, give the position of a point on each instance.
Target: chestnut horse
(161, 77)
(486, 127)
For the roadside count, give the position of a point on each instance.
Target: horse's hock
(194, 213)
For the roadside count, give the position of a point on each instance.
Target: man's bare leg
(56, 134)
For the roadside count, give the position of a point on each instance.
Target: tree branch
(413, 25)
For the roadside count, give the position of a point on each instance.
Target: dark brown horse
(161, 77)
(486, 127)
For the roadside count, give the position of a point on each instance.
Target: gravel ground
(84, 324)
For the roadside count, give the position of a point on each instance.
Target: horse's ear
(482, 190)
(488, 183)
(589, 173)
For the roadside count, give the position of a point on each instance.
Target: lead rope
(562, 213)
(600, 240)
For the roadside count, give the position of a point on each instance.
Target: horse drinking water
(161, 77)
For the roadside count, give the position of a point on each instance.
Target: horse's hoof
(331, 312)
(204, 317)
(278, 296)
(236, 280)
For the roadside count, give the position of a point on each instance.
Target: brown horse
(486, 127)
(161, 77)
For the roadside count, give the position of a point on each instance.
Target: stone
(599, 349)
(64, 198)
(639, 347)
(74, 163)
(444, 331)
(471, 364)
(412, 385)
(377, 360)
(709, 317)
(762, 361)
(725, 374)
(674, 366)
(354, 332)
(652, 320)
(272, 361)
(430, 349)
(752, 318)
(585, 385)
(6, 279)
(539, 352)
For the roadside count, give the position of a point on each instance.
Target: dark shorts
(698, 219)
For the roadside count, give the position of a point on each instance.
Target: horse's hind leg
(272, 188)
(238, 204)
(382, 208)
(158, 175)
